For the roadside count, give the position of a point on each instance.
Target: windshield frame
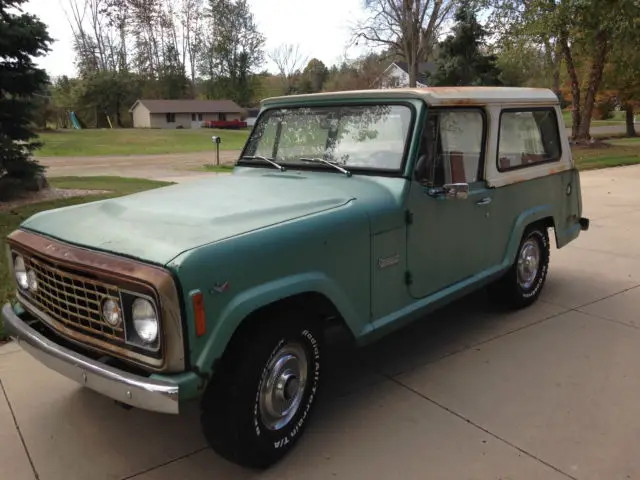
(396, 172)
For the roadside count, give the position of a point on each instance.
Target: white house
(397, 75)
(182, 113)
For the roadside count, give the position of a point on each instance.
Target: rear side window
(528, 137)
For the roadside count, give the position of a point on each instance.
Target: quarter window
(528, 137)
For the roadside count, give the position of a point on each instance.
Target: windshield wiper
(327, 162)
(266, 159)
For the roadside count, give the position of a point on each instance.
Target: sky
(320, 28)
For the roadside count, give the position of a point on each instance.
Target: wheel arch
(313, 292)
(541, 216)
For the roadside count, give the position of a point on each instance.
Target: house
(397, 75)
(182, 113)
(252, 116)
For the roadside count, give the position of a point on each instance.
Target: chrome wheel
(528, 263)
(283, 386)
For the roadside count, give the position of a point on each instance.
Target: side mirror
(456, 191)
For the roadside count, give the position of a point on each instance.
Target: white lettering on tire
(543, 272)
(287, 438)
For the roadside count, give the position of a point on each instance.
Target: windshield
(367, 137)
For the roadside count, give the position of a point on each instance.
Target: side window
(452, 147)
(528, 137)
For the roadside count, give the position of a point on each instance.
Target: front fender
(260, 296)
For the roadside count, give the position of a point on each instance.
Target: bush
(604, 109)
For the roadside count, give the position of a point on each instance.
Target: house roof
(432, 96)
(189, 106)
(424, 68)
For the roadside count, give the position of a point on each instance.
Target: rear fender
(526, 218)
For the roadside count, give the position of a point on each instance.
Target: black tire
(510, 290)
(233, 414)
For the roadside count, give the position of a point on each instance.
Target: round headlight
(145, 320)
(20, 271)
(111, 312)
(32, 279)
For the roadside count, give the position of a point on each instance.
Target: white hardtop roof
(434, 95)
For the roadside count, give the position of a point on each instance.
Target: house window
(199, 117)
(171, 118)
(193, 117)
(528, 137)
(222, 117)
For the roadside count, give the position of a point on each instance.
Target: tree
(358, 74)
(461, 60)
(408, 27)
(233, 50)
(289, 61)
(582, 32)
(622, 78)
(522, 64)
(313, 76)
(22, 38)
(191, 21)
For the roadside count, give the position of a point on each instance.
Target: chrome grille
(73, 300)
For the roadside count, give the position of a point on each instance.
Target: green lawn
(624, 151)
(217, 168)
(81, 143)
(617, 119)
(9, 220)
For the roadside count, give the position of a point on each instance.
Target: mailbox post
(217, 141)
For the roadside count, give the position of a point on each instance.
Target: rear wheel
(522, 284)
(258, 405)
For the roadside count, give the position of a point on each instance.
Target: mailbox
(217, 141)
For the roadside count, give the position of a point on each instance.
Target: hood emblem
(220, 287)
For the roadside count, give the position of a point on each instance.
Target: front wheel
(522, 284)
(259, 403)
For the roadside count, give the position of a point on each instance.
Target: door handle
(484, 201)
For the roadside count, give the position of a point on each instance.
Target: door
(447, 237)
(196, 120)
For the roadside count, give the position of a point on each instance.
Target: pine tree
(22, 37)
(461, 61)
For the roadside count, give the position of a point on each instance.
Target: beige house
(182, 113)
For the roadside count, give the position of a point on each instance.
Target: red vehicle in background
(231, 124)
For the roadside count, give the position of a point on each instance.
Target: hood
(157, 225)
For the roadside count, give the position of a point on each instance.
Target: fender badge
(388, 261)
(220, 287)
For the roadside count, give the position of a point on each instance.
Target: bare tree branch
(289, 61)
(400, 26)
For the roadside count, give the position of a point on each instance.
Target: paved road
(550, 392)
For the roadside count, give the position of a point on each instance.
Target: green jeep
(364, 209)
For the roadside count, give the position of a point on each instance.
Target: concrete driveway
(551, 392)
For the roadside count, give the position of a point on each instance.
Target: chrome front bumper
(119, 385)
